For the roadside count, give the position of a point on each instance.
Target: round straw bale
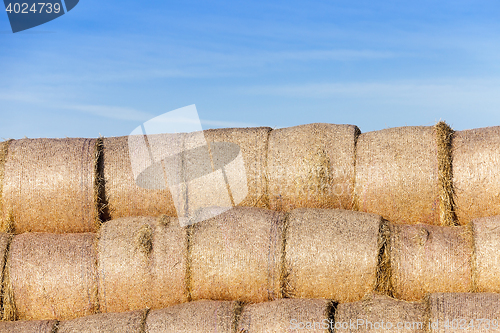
(312, 166)
(253, 144)
(236, 255)
(476, 179)
(53, 276)
(142, 263)
(331, 253)
(28, 326)
(124, 197)
(426, 259)
(287, 315)
(397, 174)
(486, 270)
(201, 316)
(127, 322)
(49, 185)
(379, 313)
(464, 312)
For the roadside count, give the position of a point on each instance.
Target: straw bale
(426, 259)
(397, 175)
(287, 315)
(53, 276)
(486, 270)
(201, 316)
(236, 255)
(49, 185)
(142, 263)
(28, 326)
(312, 166)
(126, 322)
(253, 143)
(476, 179)
(464, 312)
(331, 253)
(124, 197)
(378, 313)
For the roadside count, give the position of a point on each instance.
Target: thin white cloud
(114, 112)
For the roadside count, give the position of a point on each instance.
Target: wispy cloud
(114, 112)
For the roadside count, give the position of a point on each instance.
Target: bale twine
(142, 263)
(253, 143)
(486, 254)
(5, 240)
(237, 255)
(426, 259)
(201, 316)
(52, 276)
(464, 312)
(127, 322)
(29, 326)
(287, 315)
(49, 185)
(124, 197)
(475, 173)
(397, 175)
(312, 166)
(331, 254)
(378, 313)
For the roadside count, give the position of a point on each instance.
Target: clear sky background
(108, 66)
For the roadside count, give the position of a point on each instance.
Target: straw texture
(312, 166)
(124, 197)
(5, 240)
(331, 254)
(286, 315)
(486, 233)
(49, 185)
(201, 316)
(428, 259)
(4, 149)
(397, 175)
(379, 313)
(458, 309)
(236, 256)
(253, 143)
(53, 276)
(142, 263)
(127, 322)
(30, 326)
(475, 173)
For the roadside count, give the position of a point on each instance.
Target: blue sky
(108, 66)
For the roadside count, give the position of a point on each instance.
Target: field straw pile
(437, 313)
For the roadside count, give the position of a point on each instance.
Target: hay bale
(49, 185)
(236, 256)
(253, 143)
(475, 173)
(426, 259)
(379, 313)
(331, 254)
(312, 166)
(129, 322)
(29, 326)
(124, 197)
(397, 175)
(464, 312)
(200, 316)
(486, 267)
(52, 276)
(142, 263)
(287, 315)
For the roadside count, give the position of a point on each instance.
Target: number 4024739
(36, 8)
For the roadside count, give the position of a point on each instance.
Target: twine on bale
(5, 223)
(444, 137)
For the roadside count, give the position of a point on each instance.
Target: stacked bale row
(244, 254)
(442, 312)
(408, 175)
